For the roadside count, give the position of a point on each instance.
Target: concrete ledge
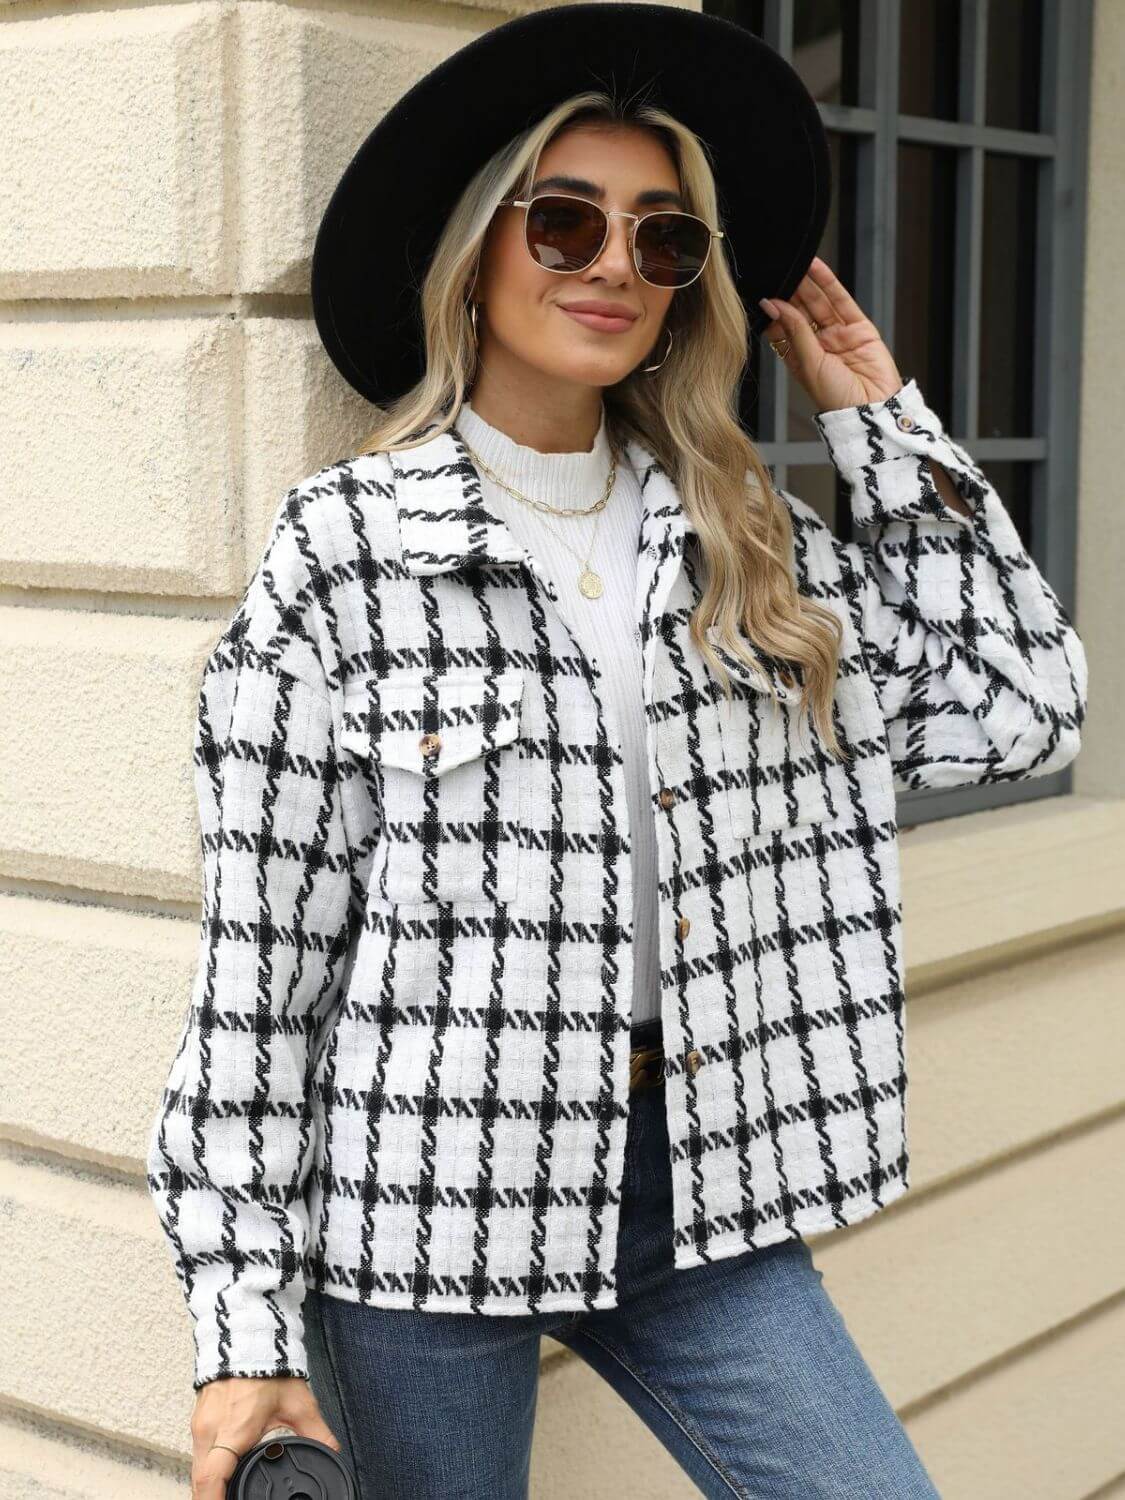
(996, 885)
(1043, 1424)
(1005, 1061)
(67, 1466)
(941, 1285)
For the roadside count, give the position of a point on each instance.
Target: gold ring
(814, 325)
(228, 1447)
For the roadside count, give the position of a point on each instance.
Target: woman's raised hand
(843, 362)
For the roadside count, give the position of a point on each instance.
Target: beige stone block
(91, 1005)
(97, 713)
(111, 177)
(313, 83)
(95, 1327)
(127, 434)
(300, 414)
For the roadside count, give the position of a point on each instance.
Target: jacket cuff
(251, 1342)
(268, 1372)
(882, 447)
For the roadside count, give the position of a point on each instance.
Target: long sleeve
(980, 673)
(232, 1143)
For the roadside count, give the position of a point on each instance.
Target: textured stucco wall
(162, 173)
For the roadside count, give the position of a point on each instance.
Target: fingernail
(769, 306)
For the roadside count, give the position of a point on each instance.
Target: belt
(646, 1068)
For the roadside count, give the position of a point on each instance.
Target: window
(958, 137)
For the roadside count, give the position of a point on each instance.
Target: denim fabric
(742, 1368)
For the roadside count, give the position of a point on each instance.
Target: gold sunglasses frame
(638, 219)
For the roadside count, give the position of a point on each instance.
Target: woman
(550, 964)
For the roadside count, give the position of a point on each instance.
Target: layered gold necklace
(589, 582)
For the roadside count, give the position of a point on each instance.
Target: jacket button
(694, 1061)
(683, 926)
(667, 796)
(430, 744)
(907, 423)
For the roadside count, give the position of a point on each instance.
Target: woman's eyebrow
(593, 190)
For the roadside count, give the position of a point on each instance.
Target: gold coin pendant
(590, 583)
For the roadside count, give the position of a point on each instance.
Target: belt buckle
(646, 1068)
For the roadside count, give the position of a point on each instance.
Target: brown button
(683, 926)
(430, 744)
(667, 796)
(694, 1061)
(905, 422)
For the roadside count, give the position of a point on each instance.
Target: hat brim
(755, 117)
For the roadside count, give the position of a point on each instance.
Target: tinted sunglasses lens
(672, 248)
(564, 234)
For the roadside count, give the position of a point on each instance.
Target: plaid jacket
(403, 1075)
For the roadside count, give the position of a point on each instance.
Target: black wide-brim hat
(756, 119)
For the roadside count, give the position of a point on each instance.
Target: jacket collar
(445, 523)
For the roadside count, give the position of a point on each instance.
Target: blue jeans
(742, 1368)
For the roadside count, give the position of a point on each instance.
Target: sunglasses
(567, 234)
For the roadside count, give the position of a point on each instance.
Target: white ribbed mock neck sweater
(604, 627)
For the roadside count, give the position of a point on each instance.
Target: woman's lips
(604, 325)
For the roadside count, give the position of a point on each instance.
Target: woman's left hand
(843, 363)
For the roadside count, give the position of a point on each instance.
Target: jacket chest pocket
(446, 751)
(775, 762)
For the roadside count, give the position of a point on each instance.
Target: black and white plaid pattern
(403, 1076)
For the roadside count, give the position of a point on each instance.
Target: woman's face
(522, 322)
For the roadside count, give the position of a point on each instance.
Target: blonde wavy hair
(686, 413)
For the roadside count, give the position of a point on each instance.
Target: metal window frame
(1061, 152)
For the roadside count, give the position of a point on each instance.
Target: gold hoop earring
(649, 368)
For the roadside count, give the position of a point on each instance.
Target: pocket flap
(774, 760)
(431, 722)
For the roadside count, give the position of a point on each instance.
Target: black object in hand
(292, 1468)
